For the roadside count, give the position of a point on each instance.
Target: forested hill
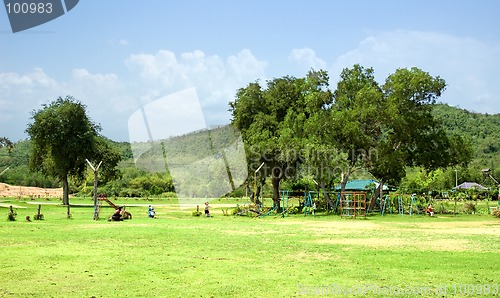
(483, 130)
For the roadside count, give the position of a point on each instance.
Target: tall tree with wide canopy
(386, 129)
(272, 122)
(410, 135)
(62, 138)
(355, 118)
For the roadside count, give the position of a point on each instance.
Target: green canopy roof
(357, 185)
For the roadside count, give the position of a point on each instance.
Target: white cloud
(19, 95)
(468, 66)
(307, 59)
(111, 99)
(216, 79)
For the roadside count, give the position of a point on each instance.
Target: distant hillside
(482, 130)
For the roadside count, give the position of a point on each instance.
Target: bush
(11, 216)
(168, 195)
(470, 208)
(444, 208)
(196, 213)
(236, 210)
(293, 210)
(38, 216)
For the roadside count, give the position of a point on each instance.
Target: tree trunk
(275, 180)
(255, 195)
(65, 185)
(327, 196)
(379, 193)
(343, 181)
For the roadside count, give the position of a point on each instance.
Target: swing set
(412, 206)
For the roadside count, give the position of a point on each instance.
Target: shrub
(444, 208)
(169, 195)
(293, 210)
(236, 210)
(38, 216)
(470, 208)
(196, 213)
(11, 216)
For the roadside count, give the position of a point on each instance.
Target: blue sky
(117, 56)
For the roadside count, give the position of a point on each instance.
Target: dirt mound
(7, 190)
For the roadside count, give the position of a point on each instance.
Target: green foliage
(196, 213)
(11, 216)
(236, 210)
(5, 142)
(444, 207)
(38, 216)
(293, 210)
(469, 208)
(63, 136)
(274, 122)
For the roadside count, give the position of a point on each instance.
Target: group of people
(117, 216)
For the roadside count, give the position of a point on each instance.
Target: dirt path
(7, 190)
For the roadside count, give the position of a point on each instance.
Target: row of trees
(299, 127)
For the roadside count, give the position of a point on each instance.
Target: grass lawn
(178, 255)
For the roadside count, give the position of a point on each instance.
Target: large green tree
(410, 134)
(354, 123)
(388, 128)
(63, 136)
(272, 122)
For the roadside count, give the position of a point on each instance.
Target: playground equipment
(101, 198)
(414, 205)
(409, 201)
(401, 208)
(352, 204)
(386, 203)
(309, 205)
(487, 173)
(283, 205)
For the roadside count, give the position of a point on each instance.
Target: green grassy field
(178, 255)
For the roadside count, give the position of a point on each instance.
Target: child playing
(207, 211)
(430, 210)
(151, 212)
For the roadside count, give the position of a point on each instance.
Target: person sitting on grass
(117, 216)
(151, 212)
(430, 210)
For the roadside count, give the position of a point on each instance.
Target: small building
(470, 185)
